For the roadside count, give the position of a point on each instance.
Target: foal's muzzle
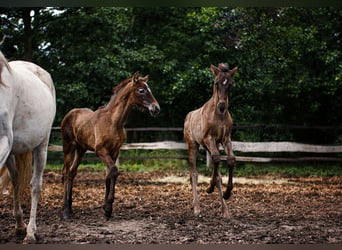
(221, 107)
(154, 109)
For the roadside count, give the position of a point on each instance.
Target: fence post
(208, 159)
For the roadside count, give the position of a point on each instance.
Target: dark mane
(116, 90)
(223, 67)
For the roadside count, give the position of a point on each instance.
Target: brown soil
(150, 209)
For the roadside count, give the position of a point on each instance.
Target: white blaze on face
(225, 82)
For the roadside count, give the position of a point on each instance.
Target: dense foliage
(289, 59)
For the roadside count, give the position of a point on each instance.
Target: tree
(289, 60)
(290, 66)
(23, 29)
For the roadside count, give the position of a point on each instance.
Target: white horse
(27, 110)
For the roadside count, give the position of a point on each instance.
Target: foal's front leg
(215, 157)
(216, 179)
(230, 166)
(112, 175)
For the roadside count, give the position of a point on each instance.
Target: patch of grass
(288, 169)
(143, 161)
(147, 160)
(150, 165)
(97, 167)
(54, 167)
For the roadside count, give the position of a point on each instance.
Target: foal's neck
(119, 107)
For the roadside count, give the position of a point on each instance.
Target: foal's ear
(233, 71)
(214, 69)
(135, 77)
(145, 79)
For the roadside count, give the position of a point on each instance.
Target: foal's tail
(24, 168)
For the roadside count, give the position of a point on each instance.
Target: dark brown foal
(102, 131)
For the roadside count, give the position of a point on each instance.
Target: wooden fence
(238, 146)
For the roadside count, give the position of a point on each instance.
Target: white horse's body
(27, 111)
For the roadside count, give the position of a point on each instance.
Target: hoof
(210, 189)
(226, 215)
(108, 215)
(227, 195)
(66, 215)
(66, 211)
(29, 239)
(197, 211)
(107, 212)
(20, 231)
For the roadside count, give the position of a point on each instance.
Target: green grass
(289, 169)
(240, 170)
(97, 167)
(143, 161)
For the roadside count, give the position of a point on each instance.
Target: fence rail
(275, 126)
(246, 147)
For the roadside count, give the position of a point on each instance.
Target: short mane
(121, 85)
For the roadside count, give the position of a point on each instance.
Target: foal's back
(193, 126)
(78, 124)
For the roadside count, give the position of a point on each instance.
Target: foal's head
(223, 80)
(143, 96)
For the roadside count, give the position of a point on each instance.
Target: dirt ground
(156, 208)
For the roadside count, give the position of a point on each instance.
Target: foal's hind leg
(193, 151)
(112, 175)
(72, 159)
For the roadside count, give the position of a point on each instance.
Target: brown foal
(211, 126)
(102, 131)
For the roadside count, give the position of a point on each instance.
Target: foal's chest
(220, 132)
(220, 129)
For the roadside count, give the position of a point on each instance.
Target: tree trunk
(28, 34)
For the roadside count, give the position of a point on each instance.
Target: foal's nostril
(154, 109)
(221, 107)
(157, 109)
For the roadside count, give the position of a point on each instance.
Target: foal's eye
(141, 91)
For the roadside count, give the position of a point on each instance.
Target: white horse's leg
(17, 212)
(6, 138)
(39, 159)
(4, 149)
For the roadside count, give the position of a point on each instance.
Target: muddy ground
(155, 208)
